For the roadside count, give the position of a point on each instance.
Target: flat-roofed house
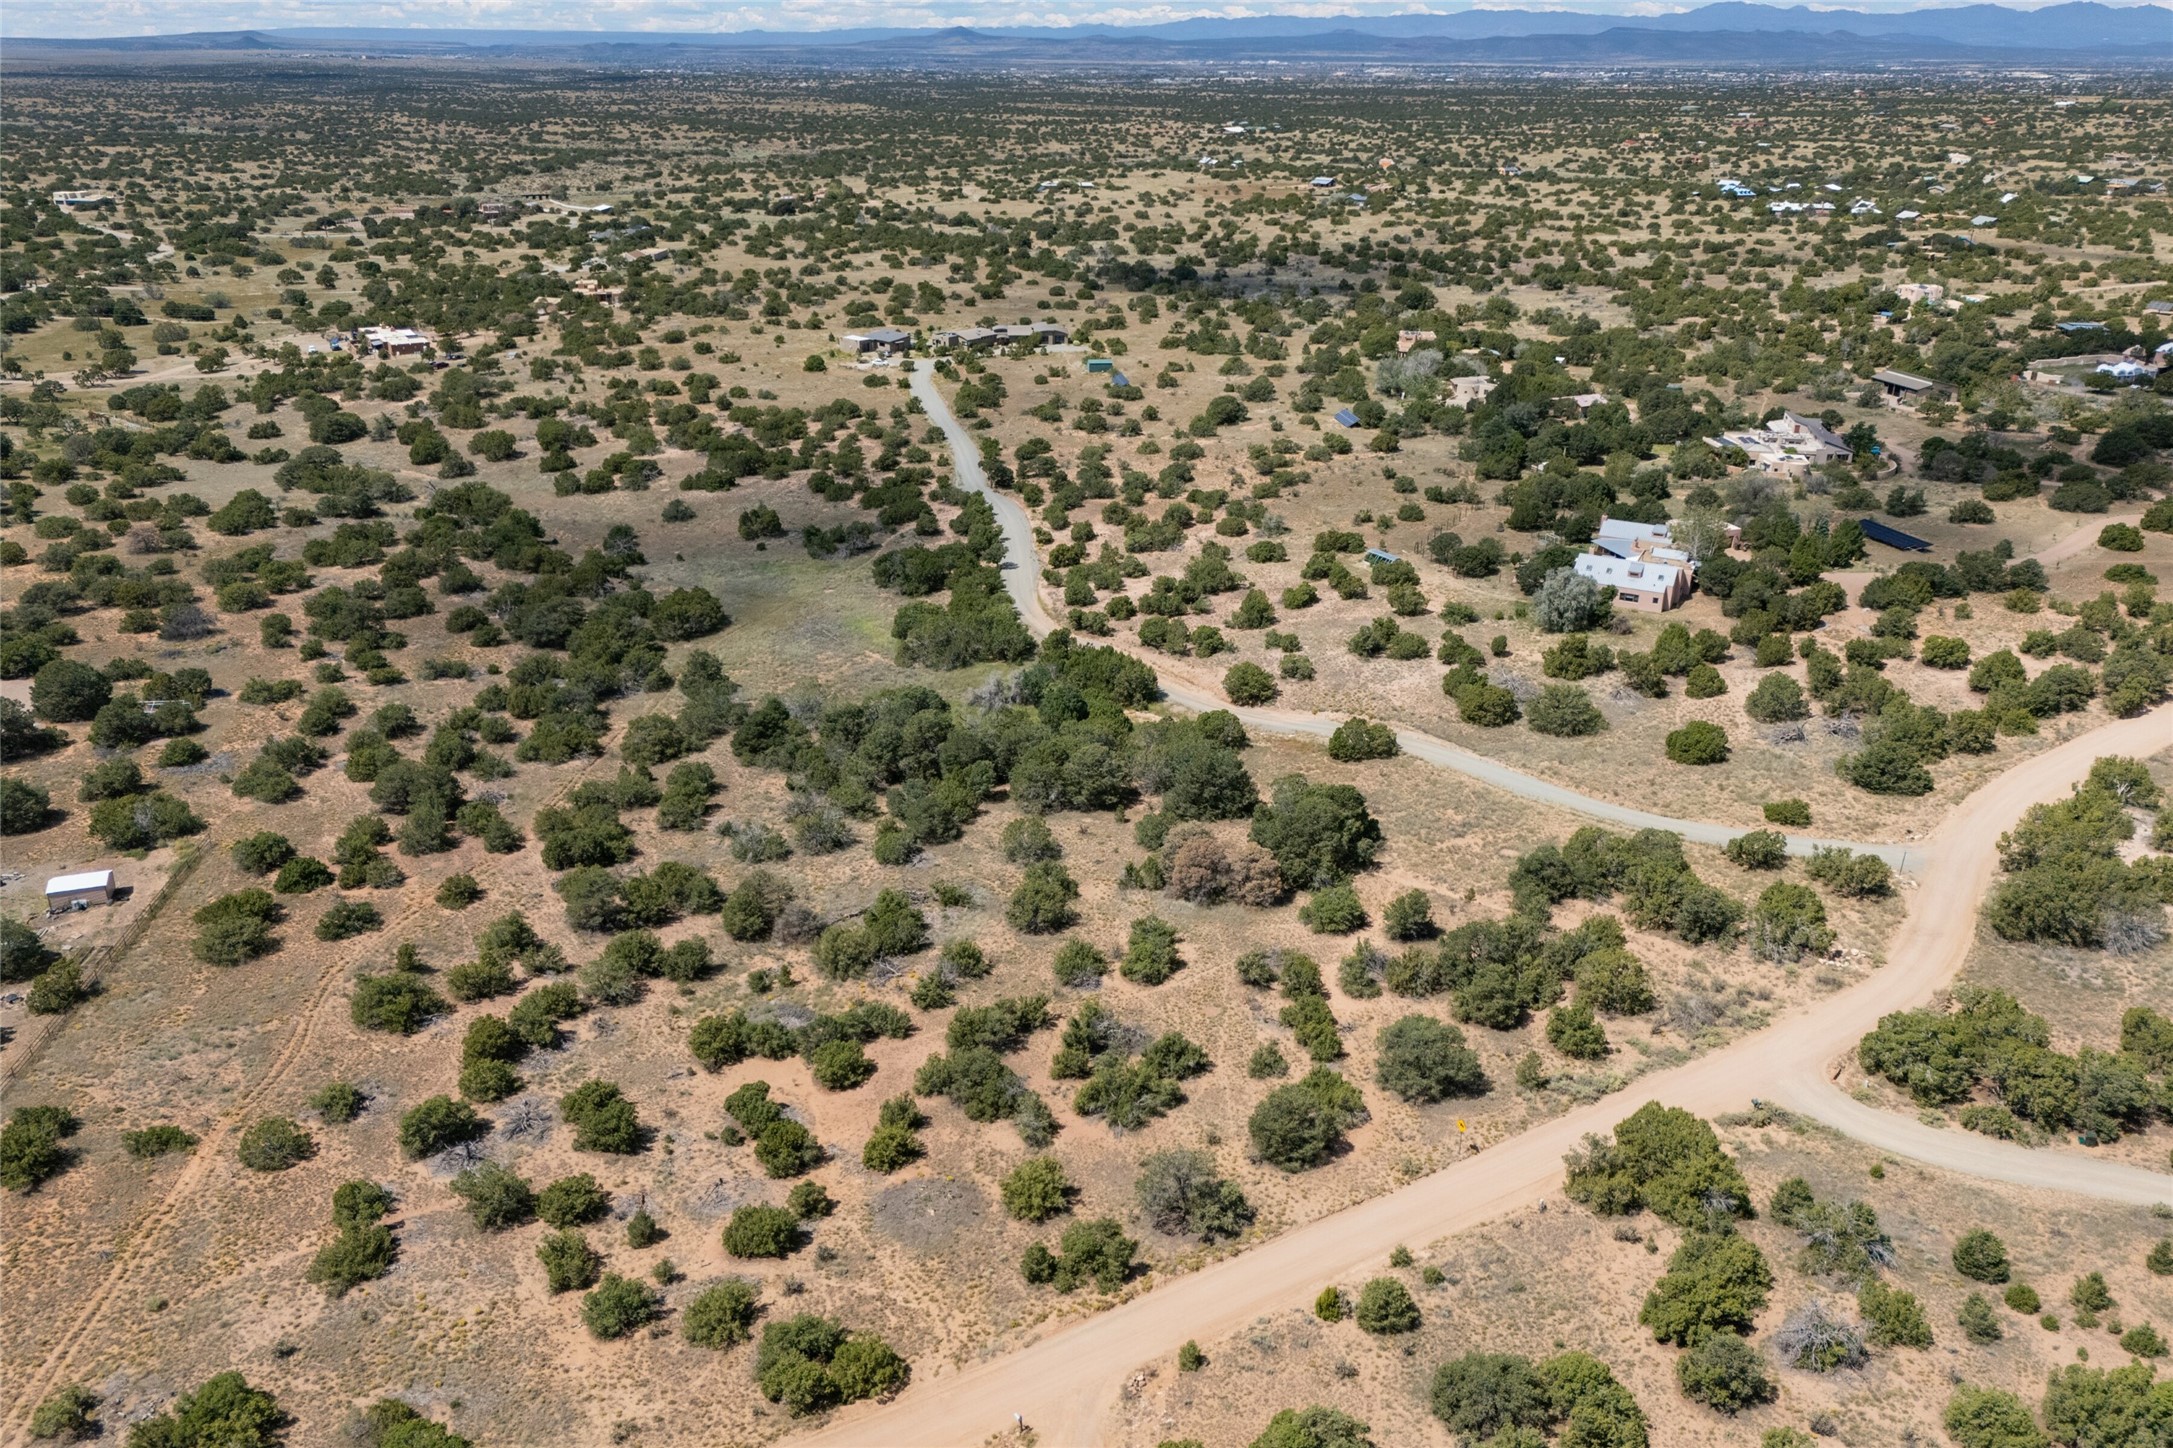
(880, 341)
(1044, 334)
(1812, 438)
(396, 341)
(1649, 586)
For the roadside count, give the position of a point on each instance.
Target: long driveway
(1022, 579)
(1066, 1381)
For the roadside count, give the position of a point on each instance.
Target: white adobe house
(1791, 444)
(396, 341)
(1647, 586)
(1643, 564)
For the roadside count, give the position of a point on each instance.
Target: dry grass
(1558, 1279)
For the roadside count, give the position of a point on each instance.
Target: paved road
(1065, 1381)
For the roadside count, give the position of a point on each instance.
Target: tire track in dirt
(55, 1366)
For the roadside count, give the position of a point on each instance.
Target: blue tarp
(1118, 379)
(1347, 417)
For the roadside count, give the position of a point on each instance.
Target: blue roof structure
(1118, 379)
(1878, 532)
(1347, 417)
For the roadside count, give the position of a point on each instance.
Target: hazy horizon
(83, 19)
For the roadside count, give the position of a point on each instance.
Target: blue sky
(149, 17)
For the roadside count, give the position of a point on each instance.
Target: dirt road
(2083, 538)
(1065, 1382)
(1022, 579)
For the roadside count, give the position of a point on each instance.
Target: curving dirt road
(1022, 580)
(2083, 538)
(1065, 1381)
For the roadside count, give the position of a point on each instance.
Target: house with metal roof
(1903, 384)
(882, 341)
(75, 892)
(1646, 586)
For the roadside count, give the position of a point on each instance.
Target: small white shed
(91, 887)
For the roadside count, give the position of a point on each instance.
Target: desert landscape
(1000, 745)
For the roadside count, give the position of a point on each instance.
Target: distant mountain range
(1729, 31)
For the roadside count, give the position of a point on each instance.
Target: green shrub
(400, 1002)
(1989, 1418)
(618, 1305)
(348, 918)
(1359, 739)
(809, 1363)
(1490, 1396)
(337, 1102)
(1151, 957)
(436, 1123)
(1979, 1324)
(1036, 1189)
(1301, 1125)
(357, 1255)
(1895, 1317)
(1182, 1195)
(1724, 1373)
(1698, 743)
(1094, 1251)
(1662, 1158)
(1758, 850)
(497, 1198)
(1981, 1257)
(1565, 711)
(1042, 902)
(1716, 1284)
(1385, 1308)
(573, 1201)
(156, 1141)
(1247, 684)
(1576, 1033)
(602, 1119)
(30, 1146)
(225, 1412)
(1423, 1060)
(275, 1144)
(762, 1231)
(1334, 911)
(721, 1316)
(65, 1415)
